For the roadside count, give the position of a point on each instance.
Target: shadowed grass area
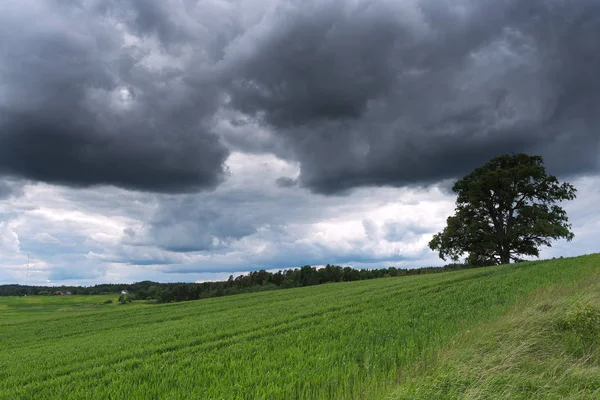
(337, 341)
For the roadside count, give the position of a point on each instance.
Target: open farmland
(23, 308)
(346, 340)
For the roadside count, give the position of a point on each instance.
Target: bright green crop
(336, 341)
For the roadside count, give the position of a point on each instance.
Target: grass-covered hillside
(546, 347)
(528, 330)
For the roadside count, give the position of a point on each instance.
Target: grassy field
(406, 337)
(546, 347)
(15, 308)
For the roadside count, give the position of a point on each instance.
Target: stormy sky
(182, 140)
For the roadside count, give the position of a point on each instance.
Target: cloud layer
(151, 95)
(90, 95)
(397, 93)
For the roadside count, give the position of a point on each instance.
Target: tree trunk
(505, 257)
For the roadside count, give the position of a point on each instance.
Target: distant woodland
(252, 282)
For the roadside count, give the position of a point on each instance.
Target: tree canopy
(505, 209)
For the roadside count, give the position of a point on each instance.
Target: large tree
(505, 209)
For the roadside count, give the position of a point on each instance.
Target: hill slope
(546, 347)
(347, 340)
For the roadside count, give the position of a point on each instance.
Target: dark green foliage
(126, 298)
(505, 209)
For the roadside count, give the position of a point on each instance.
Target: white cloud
(88, 236)
(9, 240)
(45, 237)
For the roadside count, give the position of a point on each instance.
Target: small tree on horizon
(125, 298)
(505, 209)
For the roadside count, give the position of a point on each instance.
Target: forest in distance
(256, 281)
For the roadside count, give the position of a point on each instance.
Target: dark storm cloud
(378, 93)
(81, 106)
(154, 95)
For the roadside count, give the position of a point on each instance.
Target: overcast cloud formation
(189, 137)
(396, 93)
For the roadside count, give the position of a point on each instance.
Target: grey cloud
(81, 106)
(5, 190)
(10, 188)
(285, 182)
(129, 232)
(148, 18)
(293, 253)
(192, 223)
(154, 95)
(317, 64)
(242, 207)
(242, 217)
(396, 232)
(141, 256)
(370, 229)
(376, 93)
(84, 270)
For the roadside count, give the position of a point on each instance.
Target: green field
(16, 308)
(404, 337)
(546, 347)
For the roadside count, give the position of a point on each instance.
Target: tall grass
(346, 340)
(546, 347)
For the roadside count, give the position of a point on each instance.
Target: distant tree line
(253, 282)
